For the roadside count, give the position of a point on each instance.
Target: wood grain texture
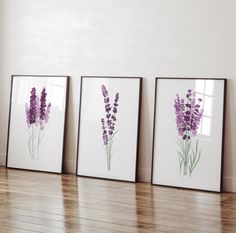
(41, 202)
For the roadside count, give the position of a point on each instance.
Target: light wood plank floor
(41, 202)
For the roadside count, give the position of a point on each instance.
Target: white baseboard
(229, 184)
(2, 159)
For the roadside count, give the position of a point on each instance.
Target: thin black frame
(138, 126)
(65, 120)
(223, 131)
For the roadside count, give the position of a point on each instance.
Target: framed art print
(108, 127)
(37, 122)
(188, 133)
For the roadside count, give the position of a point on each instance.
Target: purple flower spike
(111, 111)
(188, 115)
(104, 132)
(108, 124)
(104, 91)
(32, 109)
(37, 113)
(43, 104)
(46, 117)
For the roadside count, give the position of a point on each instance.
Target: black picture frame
(224, 90)
(13, 77)
(140, 79)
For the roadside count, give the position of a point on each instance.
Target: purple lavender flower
(43, 104)
(32, 112)
(46, 116)
(110, 117)
(37, 112)
(108, 124)
(188, 115)
(37, 115)
(104, 91)
(104, 132)
(115, 104)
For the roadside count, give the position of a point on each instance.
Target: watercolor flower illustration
(37, 116)
(108, 124)
(188, 117)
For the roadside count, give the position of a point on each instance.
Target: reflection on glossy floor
(40, 202)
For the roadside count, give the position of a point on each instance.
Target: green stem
(109, 156)
(186, 145)
(32, 142)
(38, 141)
(29, 145)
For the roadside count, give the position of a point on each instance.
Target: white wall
(190, 38)
(2, 96)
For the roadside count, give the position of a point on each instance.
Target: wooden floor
(40, 202)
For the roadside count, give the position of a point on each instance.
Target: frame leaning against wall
(53, 123)
(91, 146)
(169, 140)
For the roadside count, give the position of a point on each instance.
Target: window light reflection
(56, 91)
(204, 89)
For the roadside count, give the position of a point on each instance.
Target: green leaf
(180, 166)
(199, 155)
(114, 134)
(180, 155)
(191, 160)
(180, 143)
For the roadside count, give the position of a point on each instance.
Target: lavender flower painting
(108, 124)
(188, 117)
(37, 116)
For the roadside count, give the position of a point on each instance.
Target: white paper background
(91, 155)
(165, 164)
(51, 146)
